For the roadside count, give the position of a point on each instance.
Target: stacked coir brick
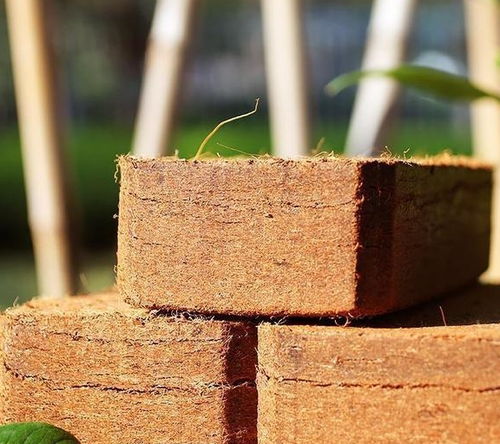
(111, 373)
(429, 375)
(311, 238)
(230, 266)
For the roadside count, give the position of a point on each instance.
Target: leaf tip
(330, 89)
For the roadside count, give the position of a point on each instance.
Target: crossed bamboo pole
(165, 59)
(388, 36)
(287, 83)
(483, 48)
(45, 169)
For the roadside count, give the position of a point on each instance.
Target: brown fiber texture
(316, 237)
(110, 373)
(415, 381)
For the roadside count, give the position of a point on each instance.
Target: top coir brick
(314, 237)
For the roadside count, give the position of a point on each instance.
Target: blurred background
(100, 48)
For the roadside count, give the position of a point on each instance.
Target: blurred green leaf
(432, 81)
(34, 433)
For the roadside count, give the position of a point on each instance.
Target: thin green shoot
(199, 152)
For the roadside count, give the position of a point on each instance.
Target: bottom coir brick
(110, 373)
(407, 378)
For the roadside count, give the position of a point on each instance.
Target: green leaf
(432, 81)
(34, 433)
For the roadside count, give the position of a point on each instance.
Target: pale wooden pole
(388, 35)
(483, 47)
(287, 85)
(44, 168)
(167, 48)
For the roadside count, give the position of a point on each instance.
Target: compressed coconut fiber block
(404, 379)
(110, 373)
(316, 237)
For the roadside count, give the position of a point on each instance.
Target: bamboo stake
(388, 36)
(44, 168)
(167, 48)
(286, 76)
(483, 46)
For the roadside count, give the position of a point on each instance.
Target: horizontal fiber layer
(316, 237)
(112, 373)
